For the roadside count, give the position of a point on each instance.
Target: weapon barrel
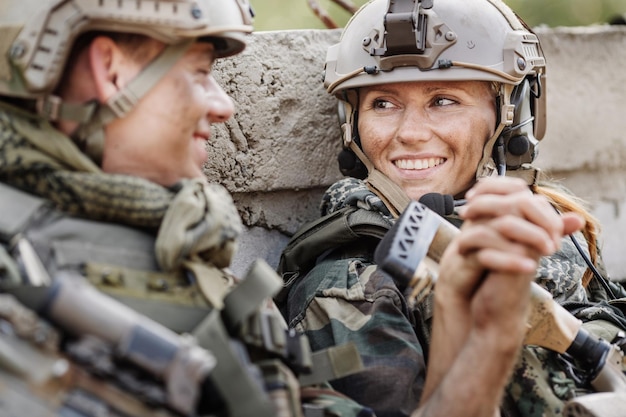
(79, 309)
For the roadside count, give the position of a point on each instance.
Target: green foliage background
(296, 14)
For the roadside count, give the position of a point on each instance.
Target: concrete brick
(278, 153)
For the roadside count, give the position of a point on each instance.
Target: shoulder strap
(17, 211)
(326, 233)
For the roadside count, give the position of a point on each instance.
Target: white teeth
(418, 164)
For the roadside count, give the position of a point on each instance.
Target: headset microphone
(442, 204)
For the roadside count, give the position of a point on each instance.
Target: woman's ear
(105, 60)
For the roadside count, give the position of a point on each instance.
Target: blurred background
(297, 14)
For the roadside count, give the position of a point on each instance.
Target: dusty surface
(278, 154)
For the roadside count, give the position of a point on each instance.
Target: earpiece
(518, 140)
(350, 165)
(518, 145)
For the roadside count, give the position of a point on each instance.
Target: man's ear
(106, 61)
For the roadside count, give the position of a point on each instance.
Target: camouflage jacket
(344, 297)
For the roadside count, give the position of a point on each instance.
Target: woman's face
(427, 136)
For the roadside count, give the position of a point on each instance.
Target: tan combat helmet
(390, 41)
(36, 37)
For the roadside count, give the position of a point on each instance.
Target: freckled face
(427, 136)
(164, 137)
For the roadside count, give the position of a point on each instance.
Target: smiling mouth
(418, 164)
(201, 135)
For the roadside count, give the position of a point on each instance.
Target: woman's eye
(442, 101)
(381, 104)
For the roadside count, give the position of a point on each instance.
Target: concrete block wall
(278, 154)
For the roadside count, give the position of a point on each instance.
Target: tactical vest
(350, 231)
(256, 358)
(341, 228)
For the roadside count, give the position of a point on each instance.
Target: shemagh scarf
(196, 221)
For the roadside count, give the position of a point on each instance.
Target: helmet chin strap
(93, 116)
(388, 191)
(487, 166)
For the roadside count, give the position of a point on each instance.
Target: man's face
(164, 137)
(427, 136)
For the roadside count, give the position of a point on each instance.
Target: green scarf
(194, 219)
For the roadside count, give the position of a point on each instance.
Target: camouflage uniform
(160, 255)
(345, 298)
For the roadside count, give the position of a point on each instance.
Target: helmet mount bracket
(413, 36)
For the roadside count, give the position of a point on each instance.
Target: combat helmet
(36, 38)
(390, 41)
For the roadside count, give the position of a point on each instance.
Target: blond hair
(565, 202)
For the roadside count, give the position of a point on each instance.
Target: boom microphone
(442, 204)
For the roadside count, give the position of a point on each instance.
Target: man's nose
(220, 106)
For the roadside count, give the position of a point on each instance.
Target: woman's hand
(482, 295)
(506, 229)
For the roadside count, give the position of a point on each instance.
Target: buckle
(265, 331)
(49, 107)
(122, 102)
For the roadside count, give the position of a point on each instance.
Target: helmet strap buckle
(49, 107)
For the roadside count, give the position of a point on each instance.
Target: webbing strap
(212, 282)
(52, 108)
(261, 282)
(243, 396)
(283, 388)
(263, 326)
(9, 271)
(389, 192)
(332, 363)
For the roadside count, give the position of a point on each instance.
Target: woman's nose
(414, 127)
